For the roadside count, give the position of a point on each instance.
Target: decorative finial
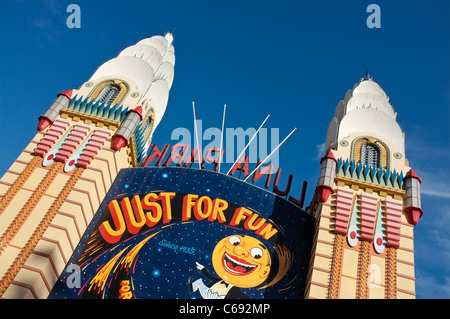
(169, 36)
(367, 76)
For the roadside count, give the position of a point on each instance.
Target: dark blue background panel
(171, 232)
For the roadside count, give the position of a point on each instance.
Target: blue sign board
(182, 233)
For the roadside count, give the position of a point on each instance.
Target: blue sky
(291, 59)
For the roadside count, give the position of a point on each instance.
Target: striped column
(344, 200)
(363, 266)
(368, 209)
(74, 140)
(393, 209)
(391, 273)
(56, 130)
(95, 144)
(336, 267)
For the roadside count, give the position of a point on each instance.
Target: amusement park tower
(366, 203)
(52, 190)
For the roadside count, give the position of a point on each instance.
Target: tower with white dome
(366, 203)
(51, 192)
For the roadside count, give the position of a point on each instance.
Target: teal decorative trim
(370, 174)
(105, 110)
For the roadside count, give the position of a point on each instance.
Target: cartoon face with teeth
(242, 261)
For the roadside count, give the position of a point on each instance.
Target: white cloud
(434, 192)
(426, 158)
(48, 22)
(435, 182)
(429, 287)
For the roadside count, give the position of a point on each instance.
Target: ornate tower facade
(366, 203)
(51, 192)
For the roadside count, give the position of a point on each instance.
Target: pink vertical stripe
(344, 199)
(393, 222)
(368, 209)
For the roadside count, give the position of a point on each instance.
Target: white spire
(169, 37)
(149, 64)
(366, 109)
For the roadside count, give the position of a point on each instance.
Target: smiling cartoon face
(242, 261)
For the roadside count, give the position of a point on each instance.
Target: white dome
(365, 109)
(368, 94)
(127, 67)
(147, 61)
(149, 54)
(367, 121)
(369, 86)
(158, 42)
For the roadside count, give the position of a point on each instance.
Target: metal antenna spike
(221, 137)
(248, 144)
(196, 137)
(276, 148)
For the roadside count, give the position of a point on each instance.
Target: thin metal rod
(276, 148)
(248, 144)
(221, 137)
(196, 137)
